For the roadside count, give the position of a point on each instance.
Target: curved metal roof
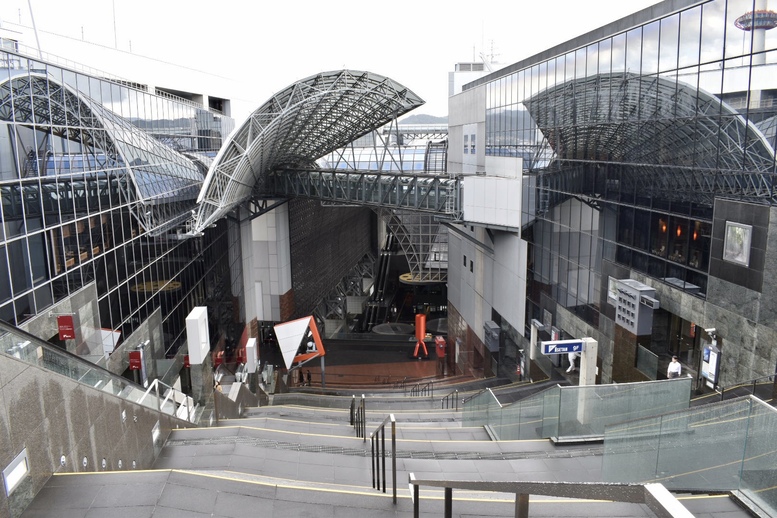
(159, 173)
(297, 126)
(674, 140)
(647, 120)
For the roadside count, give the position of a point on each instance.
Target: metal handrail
(450, 399)
(752, 383)
(359, 417)
(655, 496)
(420, 390)
(168, 395)
(379, 452)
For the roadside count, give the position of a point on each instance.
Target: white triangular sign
(289, 335)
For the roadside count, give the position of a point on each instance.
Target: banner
(67, 329)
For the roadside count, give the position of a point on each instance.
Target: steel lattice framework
(424, 240)
(163, 181)
(421, 193)
(299, 125)
(673, 140)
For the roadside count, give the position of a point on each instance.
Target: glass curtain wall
(94, 173)
(630, 139)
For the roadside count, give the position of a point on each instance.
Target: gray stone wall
(56, 418)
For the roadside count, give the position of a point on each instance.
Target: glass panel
(675, 450)
(690, 32)
(667, 58)
(650, 41)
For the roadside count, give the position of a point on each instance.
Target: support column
(521, 506)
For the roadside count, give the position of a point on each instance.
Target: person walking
(310, 378)
(572, 359)
(301, 378)
(674, 369)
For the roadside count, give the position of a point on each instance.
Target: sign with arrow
(562, 346)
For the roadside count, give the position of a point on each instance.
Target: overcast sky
(264, 46)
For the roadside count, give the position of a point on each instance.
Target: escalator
(375, 312)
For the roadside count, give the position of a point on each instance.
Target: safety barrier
(378, 442)
(450, 401)
(422, 390)
(359, 417)
(725, 446)
(655, 496)
(575, 413)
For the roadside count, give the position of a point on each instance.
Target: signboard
(709, 365)
(561, 346)
(67, 329)
(135, 360)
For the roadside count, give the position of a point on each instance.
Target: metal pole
(521, 506)
(416, 501)
(448, 502)
(364, 420)
(383, 453)
(372, 442)
(394, 456)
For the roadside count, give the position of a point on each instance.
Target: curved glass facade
(95, 175)
(631, 139)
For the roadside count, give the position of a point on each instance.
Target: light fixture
(679, 230)
(15, 472)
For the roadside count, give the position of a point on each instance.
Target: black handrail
(449, 400)
(359, 417)
(420, 390)
(752, 384)
(379, 452)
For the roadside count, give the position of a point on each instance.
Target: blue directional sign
(562, 346)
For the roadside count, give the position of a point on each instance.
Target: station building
(645, 152)
(99, 176)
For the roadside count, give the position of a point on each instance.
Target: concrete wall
(54, 416)
(467, 110)
(266, 263)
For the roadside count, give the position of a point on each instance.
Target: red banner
(135, 360)
(67, 330)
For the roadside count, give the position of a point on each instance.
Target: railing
(379, 452)
(171, 401)
(768, 390)
(34, 351)
(359, 417)
(400, 385)
(422, 390)
(575, 413)
(450, 401)
(655, 496)
(726, 446)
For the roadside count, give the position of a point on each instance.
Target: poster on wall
(66, 327)
(709, 365)
(736, 246)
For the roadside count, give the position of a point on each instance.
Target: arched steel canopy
(647, 120)
(293, 129)
(673, 140)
